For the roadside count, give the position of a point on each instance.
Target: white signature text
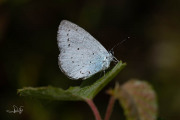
(16, 110)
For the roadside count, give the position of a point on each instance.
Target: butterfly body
(81, 55)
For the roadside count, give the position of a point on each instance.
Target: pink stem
(94, 109)
(109, 108)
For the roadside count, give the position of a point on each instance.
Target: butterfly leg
(104, 72)
(115, 59)
(100, 75)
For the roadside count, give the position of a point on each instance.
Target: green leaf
(87, 90)
(51, 93)
(138, 100)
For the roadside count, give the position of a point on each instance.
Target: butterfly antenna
(114, 58)
(120, 43)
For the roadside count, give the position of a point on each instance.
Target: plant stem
(94, 109)
(109, 108)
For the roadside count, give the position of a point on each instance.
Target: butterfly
(81, 55)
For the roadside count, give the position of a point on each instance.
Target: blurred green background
(28, 52)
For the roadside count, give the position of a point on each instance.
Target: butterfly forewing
(81, 55)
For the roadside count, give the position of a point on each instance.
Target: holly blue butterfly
(81, 55)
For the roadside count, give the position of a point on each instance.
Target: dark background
(28, 52)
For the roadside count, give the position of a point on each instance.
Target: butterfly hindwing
(81, 55)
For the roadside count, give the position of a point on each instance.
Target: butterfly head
(111, 52)
(107, 60)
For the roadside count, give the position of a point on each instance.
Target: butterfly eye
(111, 52)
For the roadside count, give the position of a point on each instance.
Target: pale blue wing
(81, 55)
